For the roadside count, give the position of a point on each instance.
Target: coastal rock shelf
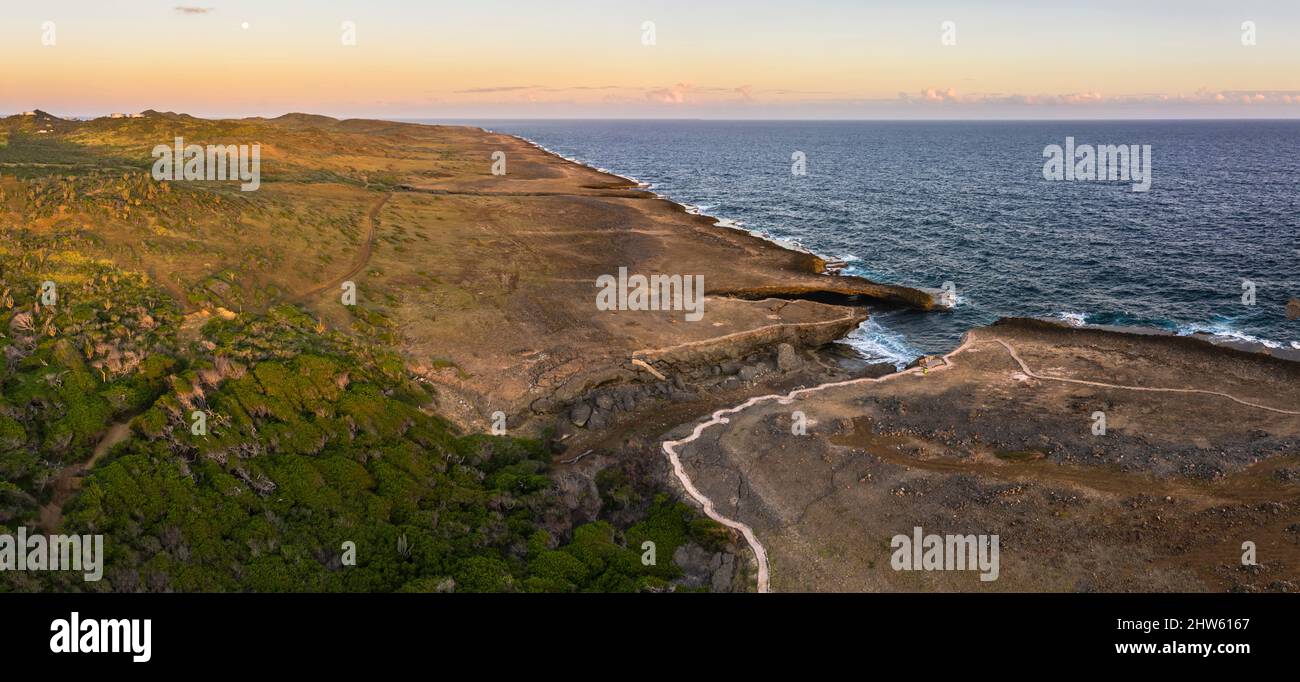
(517, 321)
(1196, 455)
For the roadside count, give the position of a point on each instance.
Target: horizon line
(458, 118)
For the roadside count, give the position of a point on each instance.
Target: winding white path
(720, 417)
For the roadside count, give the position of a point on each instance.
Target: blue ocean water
(923, 203)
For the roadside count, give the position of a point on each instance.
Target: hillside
(180, 374)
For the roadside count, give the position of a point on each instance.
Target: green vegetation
(321, 463)
(313, 442)
(84, 343)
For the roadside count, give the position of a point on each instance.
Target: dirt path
(68, 480)
(720, 417)
(1025, 368)
(362, 257)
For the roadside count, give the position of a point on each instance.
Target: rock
(696, 564)
(679, 382)
(605, 401)
(628, 401)
(542, 405)
(926, 362)
(598, 419)
(702, 568)
(842, 425)
(729, 368)
(787, 359)
(564, 430)
(749, 372)
(580, 413)
(879, 369)
(724, 574)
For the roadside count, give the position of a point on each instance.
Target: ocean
(966, 203)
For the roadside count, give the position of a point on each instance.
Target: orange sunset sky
(756, 59)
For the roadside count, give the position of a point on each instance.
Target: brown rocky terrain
(528, 246)
(485, 285)
(1201, 453)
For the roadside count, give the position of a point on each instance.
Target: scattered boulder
(542, 405)
(580, 413)
(702, 568)
(787, 359)
(564, 429)
(879, 369)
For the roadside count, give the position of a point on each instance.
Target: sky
(723, 59)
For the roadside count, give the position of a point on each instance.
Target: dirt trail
(1025, 368)
(68, 480)
(719, 417)
(760, 552)
(362, 257)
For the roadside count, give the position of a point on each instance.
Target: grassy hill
(179, 302)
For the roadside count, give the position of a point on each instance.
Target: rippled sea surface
(966, 202)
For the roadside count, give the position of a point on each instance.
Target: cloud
(936, 95)
(193, 10)
(674, 95)
(931, 95)
(678, 94)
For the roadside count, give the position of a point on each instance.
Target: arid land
(484, 285)
(486, 282)
(1200, 454)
